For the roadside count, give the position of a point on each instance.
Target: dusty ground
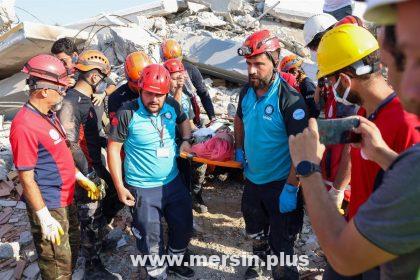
(220, 231)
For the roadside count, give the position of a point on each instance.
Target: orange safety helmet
(93, 59)
(289, 62)
(135, 62)
(171, 49)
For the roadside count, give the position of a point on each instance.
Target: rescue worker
(133, 67)
(353, 68)
(46, 169)
(177, 71)
(153, 186)
(385, 230)
(269, 110)
(194, 85)
(66, 51)
(335, 165)
(78, 114)
(293, 65)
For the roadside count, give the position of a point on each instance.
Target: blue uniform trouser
(271, 230)
(171, 201)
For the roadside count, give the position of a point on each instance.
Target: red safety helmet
(134, 64)
(174, 65)
(46, 67)
(155, 78)
(350, 20)
(259, 42)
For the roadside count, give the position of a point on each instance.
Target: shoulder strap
(281, 97)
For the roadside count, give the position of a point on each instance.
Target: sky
(64, 12)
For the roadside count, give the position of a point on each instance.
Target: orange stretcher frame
(231, 163)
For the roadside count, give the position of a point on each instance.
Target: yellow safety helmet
(343, 46)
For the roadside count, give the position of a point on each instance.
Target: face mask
(74, 59)
(314, 56)
(343, 99)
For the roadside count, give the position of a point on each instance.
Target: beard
(57, 107)
(153, 107)
(259, 83)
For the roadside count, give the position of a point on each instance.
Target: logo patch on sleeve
(298, 114)
(168, 115)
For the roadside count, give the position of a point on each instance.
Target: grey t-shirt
(390, 219)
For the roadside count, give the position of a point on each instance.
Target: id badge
(162, 152)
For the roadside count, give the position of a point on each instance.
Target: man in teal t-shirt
(146, 127)
(269, 110)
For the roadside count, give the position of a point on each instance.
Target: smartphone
(339, 131)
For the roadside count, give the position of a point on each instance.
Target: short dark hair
(390, 44)
(64, 45)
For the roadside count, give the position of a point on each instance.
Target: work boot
(182, 271)
(96, 270)
(198, 204)
(253, 272)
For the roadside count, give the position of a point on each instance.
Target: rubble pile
(18, 257)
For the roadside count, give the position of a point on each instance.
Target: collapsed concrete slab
(155, 8)
(219, 58)
(13, 94)
(300, 11)
(28, 39)
(221, 6)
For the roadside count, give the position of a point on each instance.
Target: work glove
(93, 191)
(337, 197)
(288, 198)
(51, 229)
(98, 98)
(240, 156)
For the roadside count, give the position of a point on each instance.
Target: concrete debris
(9, 250)
(195, 7)
(247, 21)
(25, 238)
(27, 39)
(208, 19)
(222, 6)
(20, 266)
(32, 271)
(300, 11)
(7, 15)
(7, 274)
(151, 9)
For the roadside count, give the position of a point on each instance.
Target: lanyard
(382, 105)
(58, 127)
(160, 131)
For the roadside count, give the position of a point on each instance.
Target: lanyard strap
(59, 128)
(160, 131)
(385, 102)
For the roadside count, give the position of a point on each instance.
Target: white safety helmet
(382, 12)
(317, 24)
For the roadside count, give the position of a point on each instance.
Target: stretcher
(230, 164)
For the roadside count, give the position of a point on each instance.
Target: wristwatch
(306, 168)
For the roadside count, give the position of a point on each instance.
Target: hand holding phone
(338, 131)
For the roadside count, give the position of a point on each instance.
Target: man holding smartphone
(385, 229)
